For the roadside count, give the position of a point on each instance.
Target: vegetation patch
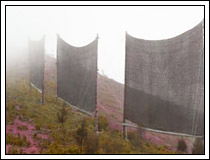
(23, 128)
(16, 140)
(67, 131)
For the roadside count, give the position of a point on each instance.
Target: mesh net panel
(76, 74)
(36, 62)
(164, 82)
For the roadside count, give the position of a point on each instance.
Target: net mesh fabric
(36, 62)
(76, 74)
(164, 82)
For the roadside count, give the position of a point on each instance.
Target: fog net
(36, 62)
(77, 74)
(164, 82)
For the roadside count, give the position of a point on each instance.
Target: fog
(79, 26)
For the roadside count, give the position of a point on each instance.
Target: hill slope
(23, 108)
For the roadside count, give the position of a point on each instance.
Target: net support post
(43, 94)
(29, 67)
(36, 93)
(124, 130)
(96, 108)
(56, 99)
(96, 121)
(56, 63)
(43, 87)
(29, 86)
(124, 120)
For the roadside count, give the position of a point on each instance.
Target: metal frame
(160, 131)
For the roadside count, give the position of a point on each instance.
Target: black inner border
(102, 6)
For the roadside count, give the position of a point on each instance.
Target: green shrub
(91, 145)
(44, 146)
(113, 143)
(62, 114)
(57, 148)
(81, 134)
(38, 126)
(148, 148)
(182, 146)
(10, 111)
(135, 139)
(103, 124)
(35, 135)
(23, 128)
(16, 140)
(15, 150)
(71, 149)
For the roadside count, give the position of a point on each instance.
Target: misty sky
(79, 26)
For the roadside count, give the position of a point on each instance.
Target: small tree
(182, 146)
(92, 143)
(81, 134)
(135, 139)
(62, 116)
(198, 147)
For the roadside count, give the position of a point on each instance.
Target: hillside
(32, 128)
(110, 100)
(35, 129)
(110, 97)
